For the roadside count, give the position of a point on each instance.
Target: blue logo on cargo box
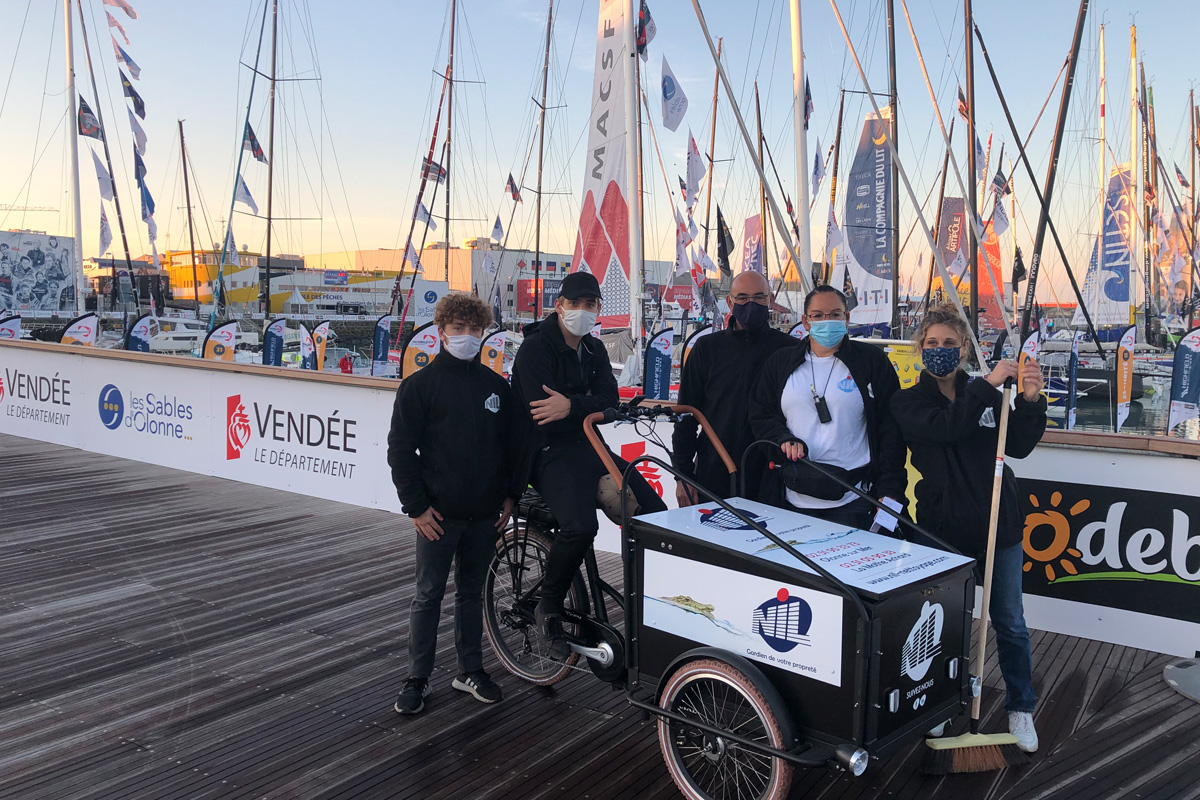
(783, 622)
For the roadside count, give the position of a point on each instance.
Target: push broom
(975, 751)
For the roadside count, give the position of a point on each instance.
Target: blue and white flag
(674, 101)
(231, 251)
(410, 255)
(105, 232)
(139, 135)
(421, 214)
(379, 353)
(818, 172)
(102, 176)
(1185, 380)
(147, 204)
(498, 230)
(241, 194)
(999, 219)
(980, 160)
(657, 374)
(134, 70)
(272, 352)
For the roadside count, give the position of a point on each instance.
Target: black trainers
(558, 648)
(480, 685)
(412, 697)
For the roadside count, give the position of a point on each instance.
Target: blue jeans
(1012, 637)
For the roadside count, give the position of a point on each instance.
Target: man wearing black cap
(562, 374)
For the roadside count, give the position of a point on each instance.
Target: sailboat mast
(271, 150)
(833, 176)
(1148, 211)
(633, 149)
(449, 116)
(800, 108)
(1192, 219)
(1103, 182)
(537, 230)
(1133, 176)
(712, 147)
(938, 219)
(187, 196)
(762, 185)
(73, 124)
(895, 254)
(972, 199)
(87, 53)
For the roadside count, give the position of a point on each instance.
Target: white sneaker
(938, 732)
(1020, 725)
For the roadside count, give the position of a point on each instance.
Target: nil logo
(783, 622)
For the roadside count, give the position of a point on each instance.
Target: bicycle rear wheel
(708, 766)
(511, 593)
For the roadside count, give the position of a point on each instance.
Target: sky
(354, 115)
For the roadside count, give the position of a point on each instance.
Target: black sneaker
(412, 697)
(558, 648)
(480, 685)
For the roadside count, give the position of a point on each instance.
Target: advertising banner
(308, 350)
(41, 398)
(379, 352)
(425, 297)
(272, 351)
(657, 375)
(82, 330)
(752, 245)
(420, 350)
(866, 255)
(1106, 288)
(491, 355)
(37, 273)
(1125, 374)
(1030, 348)
(1185, 380)
(10, 327)
(320, 337)
(602, 241)
(138, 337)
(218, 344)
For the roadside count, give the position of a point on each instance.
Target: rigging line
(16, 52)
(203, 205)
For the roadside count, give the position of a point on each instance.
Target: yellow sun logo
(1060, 530)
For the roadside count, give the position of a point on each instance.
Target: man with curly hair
(452, 455)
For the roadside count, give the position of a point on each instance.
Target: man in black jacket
(716, 379)
(454, 465)
(561, 375)
(828, 400)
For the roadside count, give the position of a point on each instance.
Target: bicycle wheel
(707, 766)
(511, 594)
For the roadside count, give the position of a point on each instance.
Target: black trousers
(470, 546)
(567, 475)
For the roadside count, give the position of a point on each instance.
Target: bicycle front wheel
(511, 593)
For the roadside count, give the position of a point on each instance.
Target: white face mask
(464, 347)
(578, 321)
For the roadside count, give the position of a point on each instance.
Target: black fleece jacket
(717, 379)
(953, 446)
(877, 382)
(452, 442)
(586, 377)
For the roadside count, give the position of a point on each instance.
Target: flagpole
(187, 195)
(973, 201)
(1147, 188)
(537, 234)
(892, 99)
(1192, 191)
(73, 116)
(837, 153)
(712, 146)
(449, 117)
(1133, 175)
(1096, 288)
(937, 231)
(632, 150)
(762, 186)
(800, 111)
(87, 52)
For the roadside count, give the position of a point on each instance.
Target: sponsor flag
(683, 189)
(808, 105)
(695, 171)
(999, 218)
(421, 214)
(123, 58)
(868, 227)
(89, 125)
(147, 204)
(272, 351)
(1125, 374)
(682, 262)
(219, 344)
(724, 245)
(818, 172)
(1185, 380)
(10, 327)
(512, 189)
(1018, 271)
(683, 231)
(1106, 287)
(432, 169)
(320, 337)
(81, 330)
(848, 290)
(139, 106)
(103, 178)
(1073, 381)
(250, 142)
(1030, 348)
(752, 245)
(231, 251)
(1182, 180)
(379, 350)
(241, 194)
(646, 30)
(139, 168)
(706, 261)
(980, 160)
(674, 101)
(124, 6)
(421, 349)
(962, 104)
(489, 266)
(958, 266)
(410, 255)
(138, 338)
(833, 235)
(491, 355)
(308, 350)
(1001, 185)
(498, 231)
(113, 23)
(105, 232)
(656, 376)
(497, 315)
(139, 135)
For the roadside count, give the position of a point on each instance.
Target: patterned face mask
(941, 361)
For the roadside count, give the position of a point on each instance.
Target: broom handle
(989, 563)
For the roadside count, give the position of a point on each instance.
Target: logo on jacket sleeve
(237, 427)
(988, 418)
(492, 404)
(783, 622)
(924, 642)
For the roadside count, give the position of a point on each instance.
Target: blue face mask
(828, 332)
(941, 361)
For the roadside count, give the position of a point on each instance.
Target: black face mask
(751, 316)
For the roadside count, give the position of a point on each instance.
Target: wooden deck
(169, 635)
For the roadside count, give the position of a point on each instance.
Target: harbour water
(1147, 416)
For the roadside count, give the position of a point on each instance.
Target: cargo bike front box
(872, 659)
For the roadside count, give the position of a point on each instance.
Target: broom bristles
(972, 752)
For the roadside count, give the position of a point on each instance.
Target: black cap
(579, 284)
